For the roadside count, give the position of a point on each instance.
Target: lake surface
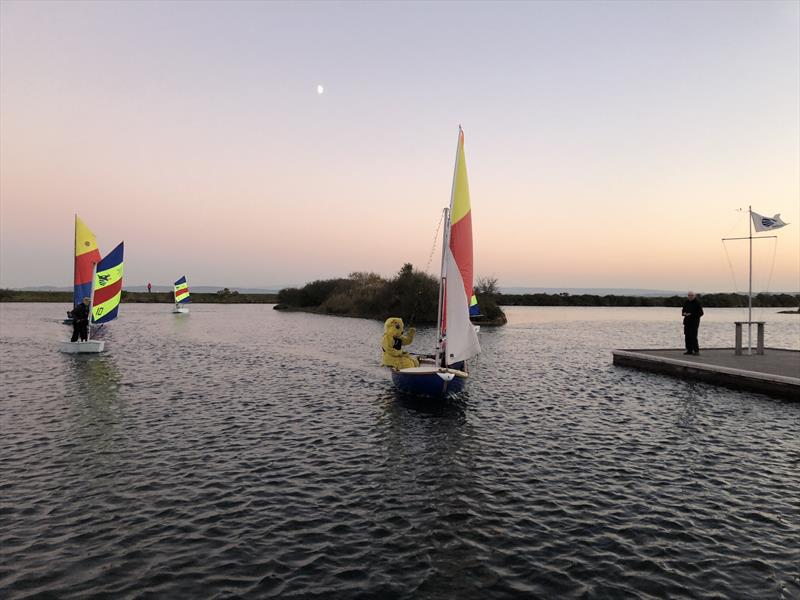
(244, 452)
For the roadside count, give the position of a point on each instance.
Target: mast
(91, 303)
(441, 318)
(750, 287)
(442, 268)
(74, 260)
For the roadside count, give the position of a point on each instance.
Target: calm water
(243, 452)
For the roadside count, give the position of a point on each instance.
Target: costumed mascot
(392, 343)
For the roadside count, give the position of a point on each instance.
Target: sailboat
(181, 296)
(457, 342)
(106, 293)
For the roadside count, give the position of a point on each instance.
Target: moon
(320, 89)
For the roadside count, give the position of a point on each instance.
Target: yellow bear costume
(392, 343)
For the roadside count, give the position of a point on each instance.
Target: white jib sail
(462, 341)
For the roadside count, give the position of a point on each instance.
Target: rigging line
(740, 212)
(413, 316)
(760, 310)
(772, 268)
(435, 237)
(733, 276)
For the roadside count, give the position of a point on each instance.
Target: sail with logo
(181, 296)
(108, 287)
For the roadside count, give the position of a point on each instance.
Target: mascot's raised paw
(392, 344)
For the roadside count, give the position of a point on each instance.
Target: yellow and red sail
(87, 254)
(461, 219)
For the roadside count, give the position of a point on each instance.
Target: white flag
(765, 223)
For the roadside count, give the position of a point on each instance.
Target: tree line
(411, 295)
(716, 300)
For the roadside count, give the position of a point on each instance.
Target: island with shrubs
(411, 294)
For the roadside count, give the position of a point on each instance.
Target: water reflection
(432, 448)
(96, 412)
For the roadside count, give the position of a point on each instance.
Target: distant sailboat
(181, 296)
(456, 337)
(474, 311)
(106, 294)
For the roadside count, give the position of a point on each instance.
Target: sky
(608, 144)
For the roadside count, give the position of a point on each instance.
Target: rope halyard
(433, 247)
(427, 267)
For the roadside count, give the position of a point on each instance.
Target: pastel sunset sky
(608, 144)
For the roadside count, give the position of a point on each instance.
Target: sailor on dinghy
(80, 321)
(392, 344)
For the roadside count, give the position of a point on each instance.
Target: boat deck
(776, 372)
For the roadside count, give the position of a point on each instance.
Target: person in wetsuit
(80, 321)
(691, 311)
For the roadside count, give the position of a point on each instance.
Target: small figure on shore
(691, 311)
(149, 287)
(392, 344)
(80, 321)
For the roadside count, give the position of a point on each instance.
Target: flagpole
(750, 288)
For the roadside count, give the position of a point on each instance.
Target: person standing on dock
(691, 311)
(149, 287)
(80, 321)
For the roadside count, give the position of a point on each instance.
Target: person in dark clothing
(80, 321)
(691, 311)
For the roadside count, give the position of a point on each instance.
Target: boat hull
(430, 382)
(87, 347)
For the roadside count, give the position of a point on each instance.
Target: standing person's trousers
(80, 329)
(690, 333)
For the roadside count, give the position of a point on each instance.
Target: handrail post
(738, 349)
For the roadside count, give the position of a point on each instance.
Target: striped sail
(108, 286)
(181, 291)
(87, 255)
(462, 342)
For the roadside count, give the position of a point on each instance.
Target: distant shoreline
(225, 296)
(221, 297)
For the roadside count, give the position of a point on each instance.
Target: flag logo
(762, 223)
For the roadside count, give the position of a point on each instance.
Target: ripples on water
(237, 452)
